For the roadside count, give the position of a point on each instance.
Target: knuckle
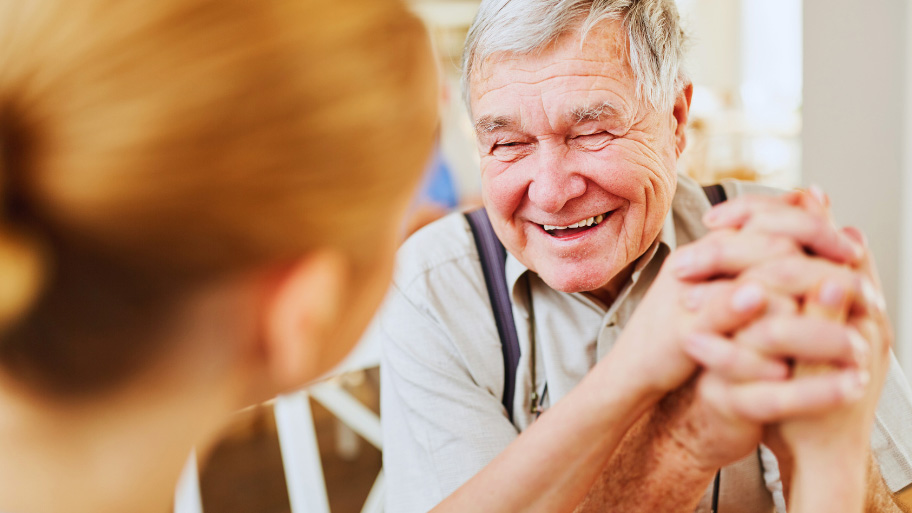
(730, 361)
(769, 334)
(883, 343)
(819, 229)
(779, 304)
(704, 294)
(776, 406)
(878, 338)
(785, 272)
(710, 254)
(836, 395)
(847, 342)
(781, 246)
(770, 407)
(872, 296)
(722, 234)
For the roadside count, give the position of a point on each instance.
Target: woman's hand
(830, 451)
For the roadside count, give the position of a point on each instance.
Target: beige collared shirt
(442, 368)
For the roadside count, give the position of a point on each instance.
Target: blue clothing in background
(438, 187)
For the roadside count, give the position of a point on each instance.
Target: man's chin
(577, 280)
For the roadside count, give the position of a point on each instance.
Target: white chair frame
(298, 442)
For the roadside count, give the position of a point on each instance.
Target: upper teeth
(585, 222)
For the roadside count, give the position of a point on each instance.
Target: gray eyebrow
(580, 114)
(488, 124)
(596, 112)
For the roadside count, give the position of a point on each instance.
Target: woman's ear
(300, 315)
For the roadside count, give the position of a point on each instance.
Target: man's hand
(673, 452)
(721, 417)
(748, 234)
(651, 343)
(837, 438)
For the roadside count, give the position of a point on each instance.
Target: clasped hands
(771, 328)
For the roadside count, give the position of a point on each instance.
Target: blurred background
(787, 93)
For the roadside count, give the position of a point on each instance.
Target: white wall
(905, 305)
(714, 57)
(855, 112)
(771, 55)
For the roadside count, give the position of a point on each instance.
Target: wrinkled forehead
(572, 71)
(600, 57)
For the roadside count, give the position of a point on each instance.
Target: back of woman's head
(150, 148)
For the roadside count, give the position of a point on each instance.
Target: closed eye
(596, 140)
(594, 134)
(511, 150)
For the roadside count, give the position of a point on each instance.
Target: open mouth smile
(575, 228)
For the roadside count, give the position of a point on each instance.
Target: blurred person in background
(580, 109)
(437, 194)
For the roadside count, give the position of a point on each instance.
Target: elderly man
(580, 109)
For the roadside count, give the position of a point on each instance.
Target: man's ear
(681, 112)
(300, 315)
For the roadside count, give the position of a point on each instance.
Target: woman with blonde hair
(201, 200)
(200, 204)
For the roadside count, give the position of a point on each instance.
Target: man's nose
(555, 182)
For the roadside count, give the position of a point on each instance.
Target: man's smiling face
(577, 173)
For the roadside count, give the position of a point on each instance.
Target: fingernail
(818, 194)
(832, 294)
(854, 383)
(747, 297)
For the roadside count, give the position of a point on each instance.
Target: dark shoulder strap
(493, 258)
(715, 193)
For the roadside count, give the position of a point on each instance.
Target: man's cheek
(504, 194)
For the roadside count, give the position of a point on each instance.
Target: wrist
(829, 481)
(626, 369)
(621, 383)
(678, 432)
(830, 461)
(820, 447)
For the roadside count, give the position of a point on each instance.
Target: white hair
(654, 35)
